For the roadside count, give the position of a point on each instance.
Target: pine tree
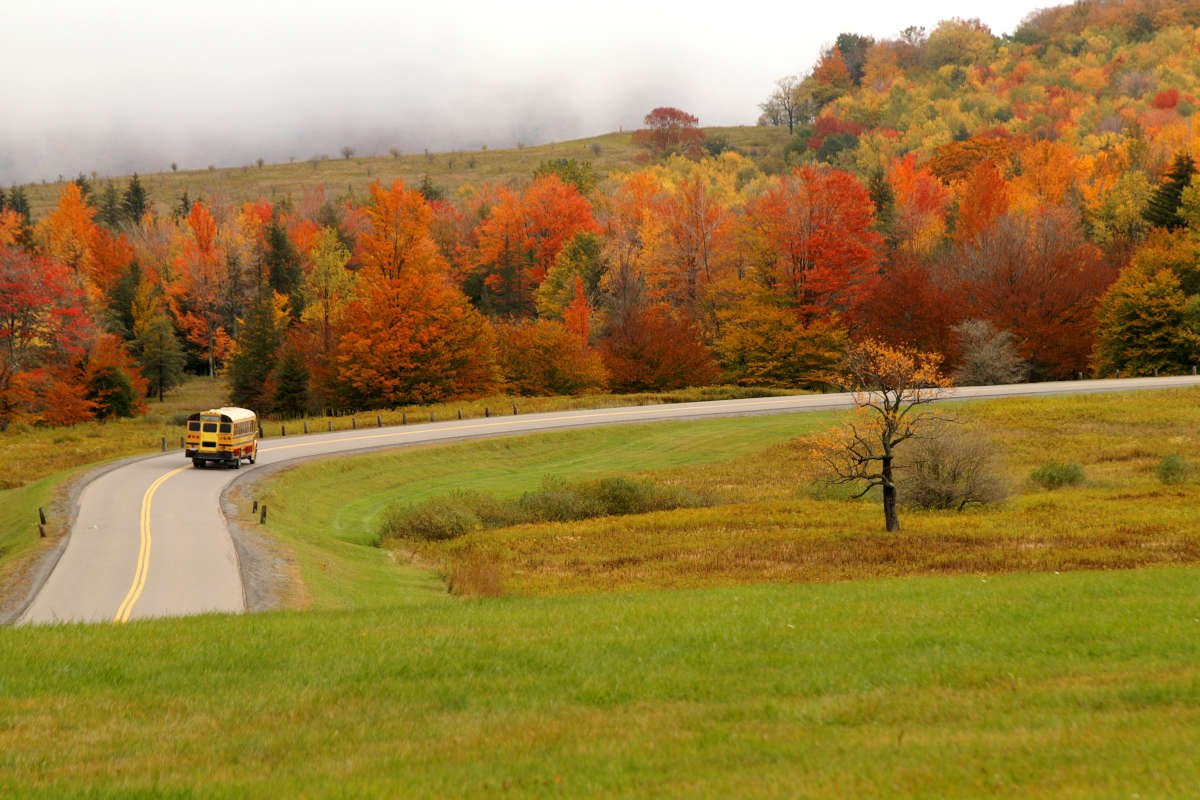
(1163, 207)
(134, 202)
(283, 264)
(109, 213)
(255, 357)
(155, 347)
(291, 386)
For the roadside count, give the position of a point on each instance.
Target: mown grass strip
(1080, 684)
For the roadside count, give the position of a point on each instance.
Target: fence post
(379, 420)
(282, 431)
(42, 515)
(262, 516)
(331, 426)
(431, 416)
(403, 417)
(164, 440)
(354, 423)
(306, 426)
(514, 409)
(486, 412)
(254, 508)
(460, 413)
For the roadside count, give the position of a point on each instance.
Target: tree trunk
(890, 519)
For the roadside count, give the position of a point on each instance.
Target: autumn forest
(1025, 206)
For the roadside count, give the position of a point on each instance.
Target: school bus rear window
(210, 427)
(193, 426)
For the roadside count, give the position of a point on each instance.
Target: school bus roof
(226, 413)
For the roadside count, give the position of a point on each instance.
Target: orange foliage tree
(649, 349)
(410, 335)
(197, 293)
(546, 357)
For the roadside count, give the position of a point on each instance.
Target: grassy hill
(350, 176)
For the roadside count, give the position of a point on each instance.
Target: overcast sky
(134, 85)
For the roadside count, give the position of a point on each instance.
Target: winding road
(149, 539)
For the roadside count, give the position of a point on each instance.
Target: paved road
(149, 539)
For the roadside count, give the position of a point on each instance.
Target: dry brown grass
(350, 177)
(782, 527)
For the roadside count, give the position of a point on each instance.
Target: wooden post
(354, 423)
(42, 515)
(164, 444)
(262, 516)
(431, 416)
(460, 413)
(254, 508)
(306, 426)
(282, 430)
(403, 417)
(514, 409)
(41, 531)
(379, 420)
(486, 412)
(331, 426)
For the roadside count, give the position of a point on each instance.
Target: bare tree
(347, 151)
(786, 105)
(890, 385)
(988, 355)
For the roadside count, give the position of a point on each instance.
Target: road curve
(149, 539)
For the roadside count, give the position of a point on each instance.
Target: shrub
(1174, 470)
(950, 468)
(1055, 475)
(558, 502)
(475, 579)
(436, 518)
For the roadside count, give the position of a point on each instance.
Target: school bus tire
(198, 463)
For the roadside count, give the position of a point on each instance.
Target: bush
(436, 518)
(1174, 470)
(950, 468)
(1054, 475)
(475, 579)
(558, 502)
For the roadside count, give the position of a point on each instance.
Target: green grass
(350, 177)
(1073, 685)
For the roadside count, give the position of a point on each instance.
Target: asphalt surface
(149, 539)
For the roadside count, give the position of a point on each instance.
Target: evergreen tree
(155, 347)
(112, 391)
(1163, 207)
(430, 191)
(19, 202)
(119, 302)
(291, 386)
(85, 188)
(109, 213)
(134, 202)
(159, 355)
(183, 207)
(254, 359)
(283, 263)
(3, 200)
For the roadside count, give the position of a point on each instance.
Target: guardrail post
(354, 423)
(431, 416)
(181, 444)
(42, 515)
(164, 444)
(379, 420)
(262, 516)
(306, 426)
(254, 508)
(282, 430)
(403, 417)
(460, 413)
(514, 409)
(41, 531)
(331, 426)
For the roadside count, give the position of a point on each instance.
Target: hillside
(349, 177)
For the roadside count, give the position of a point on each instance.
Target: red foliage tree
(669, 130)
(819, 249)
(42, 324)
(651, 350)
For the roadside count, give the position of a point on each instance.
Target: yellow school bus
(223, 436)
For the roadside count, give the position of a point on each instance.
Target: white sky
(133, 85)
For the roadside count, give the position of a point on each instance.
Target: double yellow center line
(143, 563)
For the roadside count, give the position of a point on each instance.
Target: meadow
(349, 177)
(784, 646)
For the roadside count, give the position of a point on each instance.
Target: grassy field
(350, 177)
(1040, 669)
(1075, 685)
(775, 524)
